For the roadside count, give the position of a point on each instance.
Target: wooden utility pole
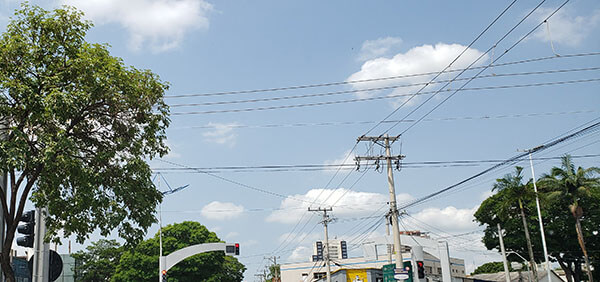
(386, 139)
(326, 220)
(275, 268)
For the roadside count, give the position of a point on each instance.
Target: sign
(389, 272)
(401, 276)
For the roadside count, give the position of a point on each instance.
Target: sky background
(211, 47)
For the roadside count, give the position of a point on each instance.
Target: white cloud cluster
(449, 219)
(347, 203)
(565, 27)
(161, 24)
(417, 60)
(220, 211)
(372, 49)
(300, 253)
(222, 133)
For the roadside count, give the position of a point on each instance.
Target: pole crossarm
(380, 157)
(377, 138)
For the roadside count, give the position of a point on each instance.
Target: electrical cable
(354, 100)
(377, 88)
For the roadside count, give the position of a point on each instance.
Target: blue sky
(202, 47)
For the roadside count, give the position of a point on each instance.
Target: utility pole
(393, 207)
(326, 220)
(539, 212)
(275, 267)
(504, 261)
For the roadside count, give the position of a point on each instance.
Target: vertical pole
(160, 248)
(325, 221)
(393, 207)
(539, 212)
(504, 261)
(388, 246)
(4, 182)
(445, 261)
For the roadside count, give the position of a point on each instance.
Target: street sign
(389, 272)
(401, 276)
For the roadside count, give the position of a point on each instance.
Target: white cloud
(160, 23)
(566, 28)
(449, 219)
(301, 253)
(220, 211)
(372, 49)
(347, 203)
(417, 60)
(221, 134)
(347, 158)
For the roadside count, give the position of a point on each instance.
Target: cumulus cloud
(161, 24)
(300, 253)
(351, 203)
(222, 133)
(372, 49)
(565, 27)
(449, 219)
(219, 211)
(417, 60)
(347, 159)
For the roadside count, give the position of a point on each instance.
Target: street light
(524, 261)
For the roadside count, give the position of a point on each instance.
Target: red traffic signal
(420, 269)
(237, 249)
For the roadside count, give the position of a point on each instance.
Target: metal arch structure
(166, 262)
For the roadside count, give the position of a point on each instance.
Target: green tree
(559, 225)
(274, 272)
(141, 263)
(98, 261)
(572, 184)
(491, 267)
(511, 185)
(77, 127)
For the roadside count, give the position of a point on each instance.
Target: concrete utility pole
(393, 207)
(274, 261)
(504, 261)
(326, 220)
(539, 212)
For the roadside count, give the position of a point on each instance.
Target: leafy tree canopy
(77, 126)
(141, 263)
(491, 267)
(98, 261)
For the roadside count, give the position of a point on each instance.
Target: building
(337, 250)
(375, 256)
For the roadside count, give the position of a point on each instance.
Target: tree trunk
(566, 267)
(9, 274)
(577, 272)
(532, 263)
(582, 245)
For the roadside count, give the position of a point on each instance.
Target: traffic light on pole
(164, 275)
(237, 249)
(28, 229)
(421, 269)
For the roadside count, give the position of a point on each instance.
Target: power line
(376, 88)
(313, 167)
(589, 129)
(335, 102)
(342, 123)
(274, 89)
(482, 70)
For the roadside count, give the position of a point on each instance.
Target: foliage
(98, 261)
(141, 263)
(571, 186)
(559, 225)
(78, 126)
(491, 267)
(274, 271)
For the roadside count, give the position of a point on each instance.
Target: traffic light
(164, 275)
(237, 249)
(344, 248)
(420, 269)
(28, 229)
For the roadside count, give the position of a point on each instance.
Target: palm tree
(514, 189)
(573, 184)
